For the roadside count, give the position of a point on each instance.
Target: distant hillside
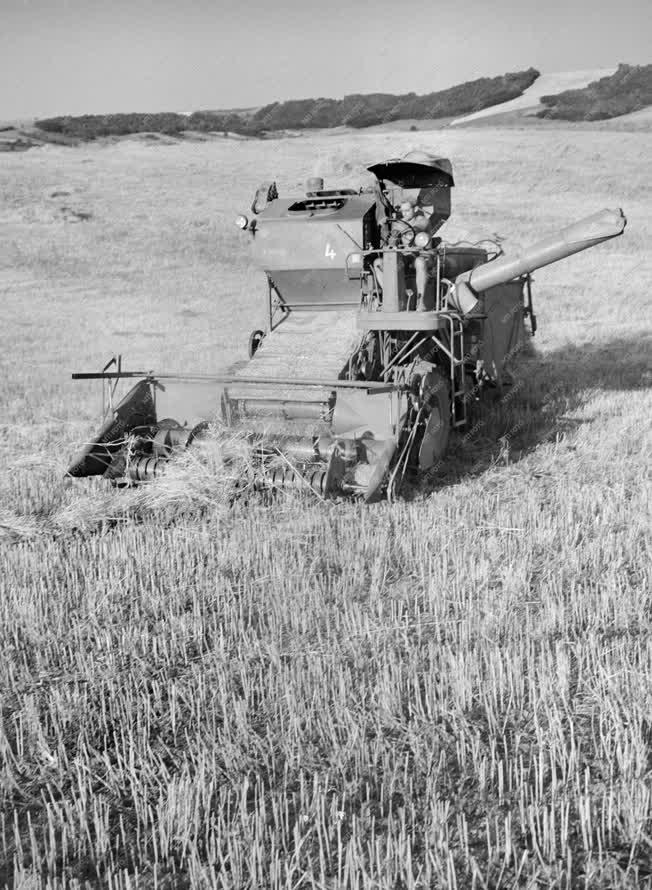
(529, 103)
(356, 110)
(364, 110)
(628, 89)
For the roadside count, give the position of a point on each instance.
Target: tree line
(93, 126)
(365, 110)
(628, 89)
(356, 110)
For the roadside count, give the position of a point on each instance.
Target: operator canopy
(420, 177)
(415, 170)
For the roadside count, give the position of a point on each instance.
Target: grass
(452, 691)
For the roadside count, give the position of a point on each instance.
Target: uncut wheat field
(452, 691)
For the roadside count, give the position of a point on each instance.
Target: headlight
(241, 221)
(422, 240)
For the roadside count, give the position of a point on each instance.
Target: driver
(412, 214)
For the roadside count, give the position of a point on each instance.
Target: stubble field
(451, 691)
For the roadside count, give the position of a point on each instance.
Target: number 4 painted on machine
(329, 252)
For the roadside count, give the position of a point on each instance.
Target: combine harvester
(387, 382)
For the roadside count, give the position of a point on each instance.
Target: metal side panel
(189, 402)
(504, 331)
(324, 287)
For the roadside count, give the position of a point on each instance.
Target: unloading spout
(579, 236)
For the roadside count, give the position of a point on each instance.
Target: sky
(102, 56)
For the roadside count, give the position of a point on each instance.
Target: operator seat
(436, 204)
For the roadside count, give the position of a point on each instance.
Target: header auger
(377, 331)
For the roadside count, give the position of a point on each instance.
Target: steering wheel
(403, 228)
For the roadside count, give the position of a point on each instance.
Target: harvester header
(377, 331)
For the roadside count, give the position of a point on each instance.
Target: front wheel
(437, 428)
(255, 339)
